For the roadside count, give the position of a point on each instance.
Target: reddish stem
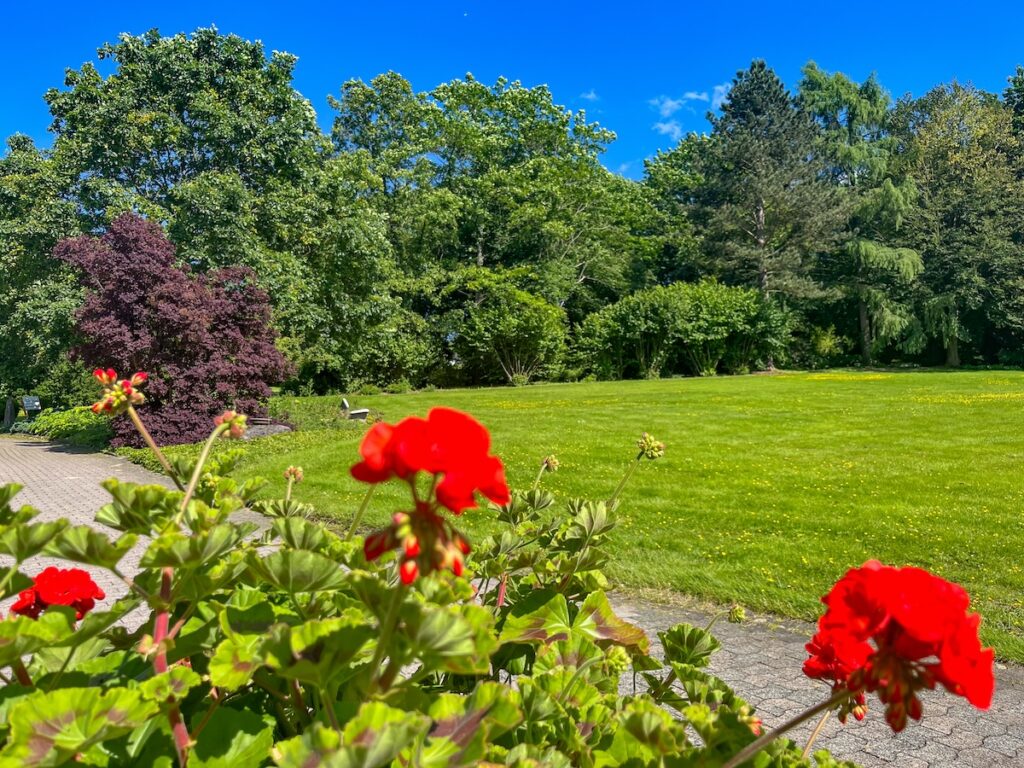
(182, 742)
(501, 589)
(22, 674)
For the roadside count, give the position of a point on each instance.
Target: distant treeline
(471, 235)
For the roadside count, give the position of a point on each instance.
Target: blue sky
(649, 71)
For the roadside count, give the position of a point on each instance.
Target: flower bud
(550, 463)
(408, 571)
(235, 421)
(649, 447)
(293, 474)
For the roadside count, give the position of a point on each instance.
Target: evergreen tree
(767, 206)
(870, 267)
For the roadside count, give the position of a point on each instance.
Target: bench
(359, 414)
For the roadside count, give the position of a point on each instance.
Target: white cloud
(696, 96)
(590, 95)
(667, 106)
(719, 95)
(623, 168)
(670, 128)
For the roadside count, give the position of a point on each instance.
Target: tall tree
(961, 149)
(38, 294)
(871, 266)
(767, 206)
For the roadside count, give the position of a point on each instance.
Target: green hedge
(77, 426)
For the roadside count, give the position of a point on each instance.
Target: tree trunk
(865, 332)
(10, 414)
(953, 353)
(480, 249)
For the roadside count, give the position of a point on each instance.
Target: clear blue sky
(646, 70)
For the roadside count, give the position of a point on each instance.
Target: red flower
(898, 631)
(54, 586)
(448, 443)
(428, 542)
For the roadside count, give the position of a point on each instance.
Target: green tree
(38, 294)
(960, 147)
(767, 208)
(871, 266)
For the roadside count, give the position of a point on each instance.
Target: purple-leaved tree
(205, 340)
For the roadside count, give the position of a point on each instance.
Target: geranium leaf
(20, 635)
(178, 550)
(233, 738)
(598, 621)
(84, 544)
(542, 617)
(298, 570)
(235, 661)
(453, 638)
(176, 681)
(23, 541)
(137, 508)
(687, 644)
(49, 728)
(472, 722)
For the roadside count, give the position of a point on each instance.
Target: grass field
(770, 488)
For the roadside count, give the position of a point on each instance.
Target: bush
(205, 340)
(510, 335)
(77, 426)
(304, 647)
(698, 328)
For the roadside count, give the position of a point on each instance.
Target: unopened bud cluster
(118, 396)
(649, 447)
(236, 424)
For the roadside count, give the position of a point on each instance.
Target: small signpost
(31, 405)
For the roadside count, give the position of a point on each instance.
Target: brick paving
(760, 658)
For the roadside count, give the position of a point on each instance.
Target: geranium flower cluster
(897, 631)
(454, 449)
(118, 395)
(236, 423)
(57, 586)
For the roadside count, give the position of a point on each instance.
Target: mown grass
(771, 486)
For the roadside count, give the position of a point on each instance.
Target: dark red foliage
(205, 340)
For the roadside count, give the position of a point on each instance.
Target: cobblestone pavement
(64, 482)
(760, 658)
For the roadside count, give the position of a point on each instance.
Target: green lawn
(770, 488)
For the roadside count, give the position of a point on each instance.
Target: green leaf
(687, 644)
(374, 738)
(84, 544)
(176, 681)
(137, 508)
(23, 541)
(597, 620)
(235, 661)
(319, 652)
(15, 583)
(178, 550)
(50, 728)
(298, 533)
(578, 651)
(471, 723)
(298, 570)
(231, 739)
(543, 617)
(8, 515)
(455, 638)
(20, 635)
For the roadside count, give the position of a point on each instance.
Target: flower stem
(815, 733)
(148, 438)
(22, 674)
(387, 629)
(288, 490)
(536, 483)
(182, 741)
(763, 741)
(198, 471)
(622, 483)
(360, 512)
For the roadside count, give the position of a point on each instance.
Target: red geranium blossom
(898, 631)
(56, 586)
(448, 443)
(118, 395)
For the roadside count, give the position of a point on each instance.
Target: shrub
(304, 647)
(77, 426)
(510, 335)
(697, 328)
(205, 339)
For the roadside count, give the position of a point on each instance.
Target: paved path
(761, 658)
